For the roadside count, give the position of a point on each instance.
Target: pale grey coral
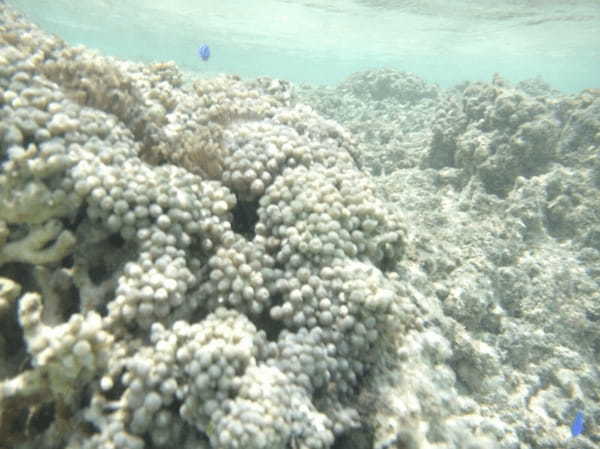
(33, 247)
(388, 111)
(496, 134)
(65, 350)
(9, 291)
(510, 142)
(238, 276)
(62, 356)
(225, 262)
(385, 84)
(580, 136)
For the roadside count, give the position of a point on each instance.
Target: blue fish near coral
(204, 52)
(577, 426)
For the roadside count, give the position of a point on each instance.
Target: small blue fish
(577, 426)
(204, 52)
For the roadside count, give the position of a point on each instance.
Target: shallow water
(495, 189)
(324, 41)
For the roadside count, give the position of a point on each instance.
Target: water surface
(324, 41)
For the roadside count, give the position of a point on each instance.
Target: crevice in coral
(10, 330)
(72, 302)
(245, 217)
(72, 222)
(85, 398)
(28, 139)
(102, 309)
(67, 262)
(116, 240)
(404, 440)
(360, 438)
(387, 264)
(48, 244)
(96, 277)
(17, 272)
(264, 322)
(99, 273)
(13, 422)
(117, 390)
(41, 418)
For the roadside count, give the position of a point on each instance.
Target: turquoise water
(322, 42)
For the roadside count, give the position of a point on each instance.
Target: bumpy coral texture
(497, 134)
(210, 265)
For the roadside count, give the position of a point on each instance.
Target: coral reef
(202, 265)
(387, 111)
(206, 264)
(506, 134)
(501, 193)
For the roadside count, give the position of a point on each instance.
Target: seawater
(322, 42)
